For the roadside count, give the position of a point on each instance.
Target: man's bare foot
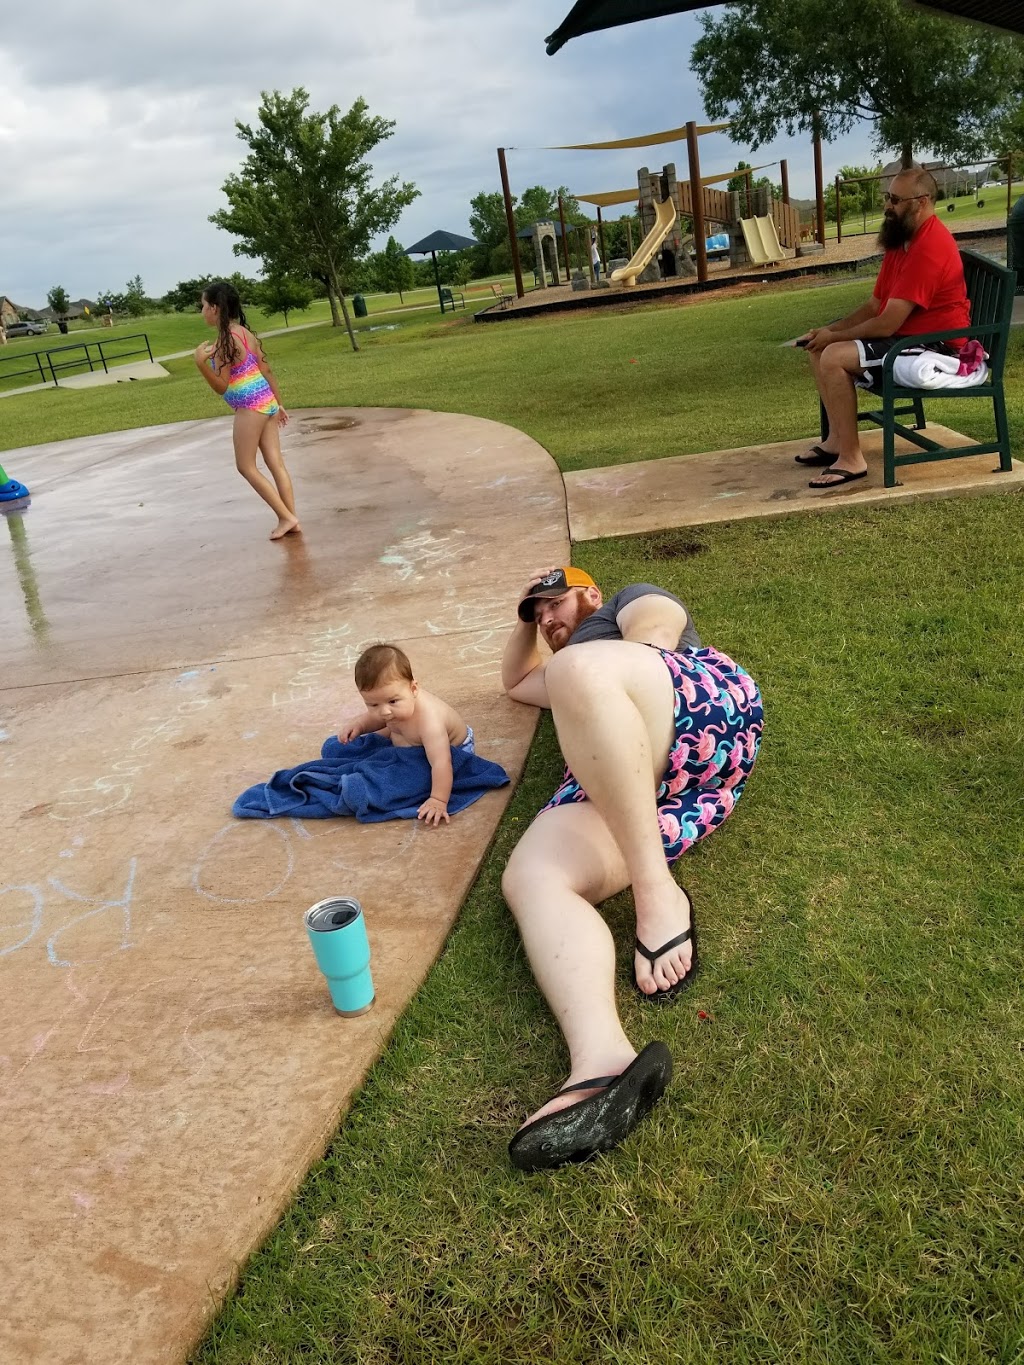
(840, 473)
(659, 919)
(611, 1066)
(817, 455)
(285, 526)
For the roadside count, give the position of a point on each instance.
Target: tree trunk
(332, 299)
(348, 324)
(906, 156)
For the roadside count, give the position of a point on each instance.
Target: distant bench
(448, 297)
(498, 290)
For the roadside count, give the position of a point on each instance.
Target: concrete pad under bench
(761, 481)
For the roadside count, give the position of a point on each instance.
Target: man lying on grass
(659, 735)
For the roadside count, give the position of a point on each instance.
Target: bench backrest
(497, 290)
(990, 288)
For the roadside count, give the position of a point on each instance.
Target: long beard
(894, 231)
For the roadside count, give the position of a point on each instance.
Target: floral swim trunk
(718, 723)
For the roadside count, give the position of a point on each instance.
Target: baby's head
(386, 684)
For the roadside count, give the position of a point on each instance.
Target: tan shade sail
(606, 197)
(610, 197)
(647, 140)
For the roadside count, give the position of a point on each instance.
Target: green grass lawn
(597, 388)
(170, 332)
(965, 211)
(835, 1175)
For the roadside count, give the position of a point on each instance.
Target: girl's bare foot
(284, 527)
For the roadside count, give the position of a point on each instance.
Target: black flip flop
(597, 1124)
(669, 996)
(841, 476)
(816, 456)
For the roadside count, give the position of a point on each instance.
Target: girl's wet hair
(225, 298)
(380, 664)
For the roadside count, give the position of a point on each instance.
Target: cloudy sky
(117, 118)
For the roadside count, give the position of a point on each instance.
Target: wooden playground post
(819, 192)
(839, 214)
(697, 203)
(511, 220)
(784, 167)
(629, 238)
(749, 188)
(565, 241)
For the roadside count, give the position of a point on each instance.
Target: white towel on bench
(934, 370)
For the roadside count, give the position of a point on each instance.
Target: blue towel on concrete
(370, 778)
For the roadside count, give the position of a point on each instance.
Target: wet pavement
(170, 1062)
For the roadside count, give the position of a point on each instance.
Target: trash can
(62, 327)
(1015, 242)
(359, 305)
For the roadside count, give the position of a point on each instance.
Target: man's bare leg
(612, 703)
(835, 369)
(565, 864)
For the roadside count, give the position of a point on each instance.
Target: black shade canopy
(1004, 14)
(440, 241)
(587, 16)
(432, 244)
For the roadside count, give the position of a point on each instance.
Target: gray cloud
(117, 124)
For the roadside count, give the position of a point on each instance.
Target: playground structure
(759, 227)
(761, 238)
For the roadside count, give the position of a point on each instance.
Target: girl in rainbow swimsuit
(235, 367)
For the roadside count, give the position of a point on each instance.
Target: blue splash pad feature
(12, 490)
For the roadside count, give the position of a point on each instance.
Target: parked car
(26, 329)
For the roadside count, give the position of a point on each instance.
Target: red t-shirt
(928, 273)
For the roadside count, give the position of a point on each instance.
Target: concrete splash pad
(170, 1063)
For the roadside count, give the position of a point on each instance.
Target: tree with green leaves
(393, 269)
(58, 300)
(186, 294)
(284, 294)
(135, 301)
(806, 65)
(302, 201)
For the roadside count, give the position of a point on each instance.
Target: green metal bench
(990, 288)
(448, 297)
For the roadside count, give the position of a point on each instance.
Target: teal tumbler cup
(337, 934)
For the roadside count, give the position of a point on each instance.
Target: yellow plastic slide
(663, 225)
(762, 241)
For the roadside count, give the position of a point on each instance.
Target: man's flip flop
(839, 477)
(599, 1123)
(816, 456)
(673, 993)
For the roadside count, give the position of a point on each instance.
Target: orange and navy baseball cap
(553, 584)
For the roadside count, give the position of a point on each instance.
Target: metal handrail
(103, 354)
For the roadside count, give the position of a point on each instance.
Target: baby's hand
(433, 811)
(351, 731)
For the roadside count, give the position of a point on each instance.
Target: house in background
(13, 312)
